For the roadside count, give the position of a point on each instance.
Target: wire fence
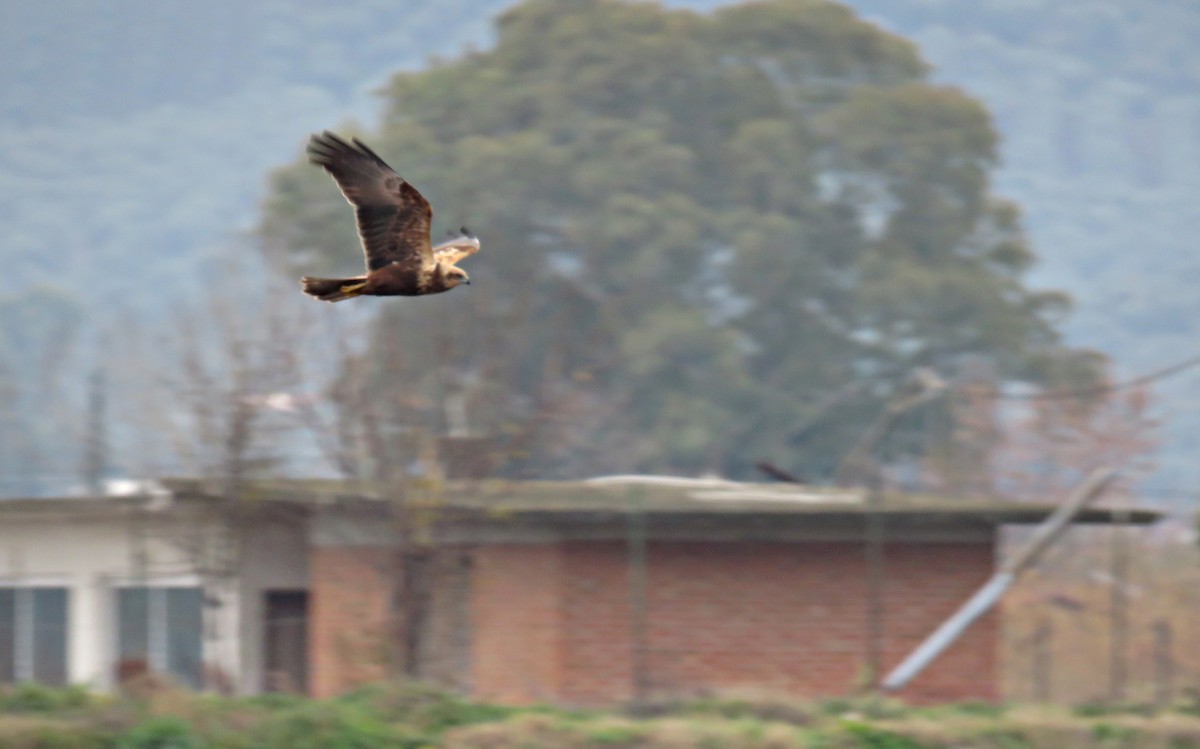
(1111, 623)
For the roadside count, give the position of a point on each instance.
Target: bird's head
(455, 276)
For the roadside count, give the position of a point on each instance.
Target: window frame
(25, 624)
(158, 655)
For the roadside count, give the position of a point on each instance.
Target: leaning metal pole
(950, 630)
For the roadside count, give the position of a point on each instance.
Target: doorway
(285, 646)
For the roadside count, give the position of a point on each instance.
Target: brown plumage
(393, 225)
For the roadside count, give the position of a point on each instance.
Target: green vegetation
(699, 230)
(36, 698)
(416, 717)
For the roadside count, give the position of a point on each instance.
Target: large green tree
(708, 239)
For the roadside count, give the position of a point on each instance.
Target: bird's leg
(353, 288)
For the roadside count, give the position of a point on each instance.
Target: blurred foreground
(153, 715)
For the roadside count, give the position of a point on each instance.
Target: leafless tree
(223, 385)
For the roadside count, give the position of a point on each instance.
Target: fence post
(1119, 611)
(636, 549)
(1164, 664)
(1043, 667)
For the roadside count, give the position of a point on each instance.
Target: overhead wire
(1153, 376)
(929, 389)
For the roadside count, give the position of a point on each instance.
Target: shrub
(978, 709)
(160, 732)
(871, 737)
(333, 725)
(611, 734)
(1109, 734)
(764, 707)
(1100, 709)
(428, 709)
(37, 698)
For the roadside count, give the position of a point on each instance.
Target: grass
(411, 716)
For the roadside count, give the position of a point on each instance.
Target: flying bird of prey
(393, 225)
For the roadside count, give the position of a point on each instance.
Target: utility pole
(977, 605)
(636, 544)
(922, 386)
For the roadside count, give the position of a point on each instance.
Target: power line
(1088, 391)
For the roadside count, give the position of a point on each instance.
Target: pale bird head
(455, 276)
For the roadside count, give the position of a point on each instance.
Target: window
(33, 635)
(160, 629)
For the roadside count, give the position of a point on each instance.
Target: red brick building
(784, 616)
(596, 593)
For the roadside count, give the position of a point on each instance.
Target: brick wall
(554, 622)
(783, 617)
(925, 585)
(598, 658)
(517, 623)
(445, 653)
(353, 634)
(348, 608)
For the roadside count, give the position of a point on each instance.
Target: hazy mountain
(136, 136)
(1098, 104)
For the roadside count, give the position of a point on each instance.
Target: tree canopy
(708, 239)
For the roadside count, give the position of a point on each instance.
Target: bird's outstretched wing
(393, 218)
(462, 243)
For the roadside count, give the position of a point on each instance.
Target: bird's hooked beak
(467, 280)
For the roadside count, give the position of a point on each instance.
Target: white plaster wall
(89, 554)
(275, 557)
(92, 551)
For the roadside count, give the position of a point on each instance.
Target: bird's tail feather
(333, 289)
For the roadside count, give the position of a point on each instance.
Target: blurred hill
(1098, 104)
(136, 136)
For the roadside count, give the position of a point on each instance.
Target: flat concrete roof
(592, 500)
